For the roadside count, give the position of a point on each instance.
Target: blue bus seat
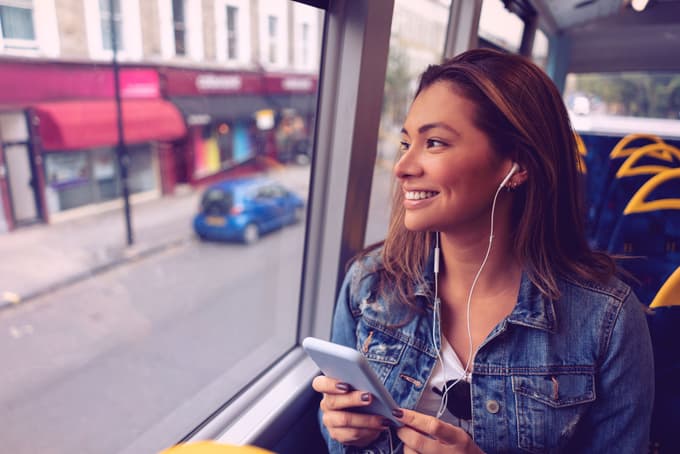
(603, 163)
(664, 327)
(630, 176)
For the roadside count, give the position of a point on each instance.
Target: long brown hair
(521, 111)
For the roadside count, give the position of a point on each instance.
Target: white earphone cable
(436, 328)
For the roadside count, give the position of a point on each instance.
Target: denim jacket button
(492, 406)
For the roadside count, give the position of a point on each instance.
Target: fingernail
(342, 386)
(397, 413)
(387, 423)
(366, 397)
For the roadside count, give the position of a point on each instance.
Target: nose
(408, 164)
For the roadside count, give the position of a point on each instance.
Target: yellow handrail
(669, 293)
(638, 204)
(620, 150)
(660, 151)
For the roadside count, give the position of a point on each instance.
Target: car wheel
(251, 234)
(302, 160)
(298, 215)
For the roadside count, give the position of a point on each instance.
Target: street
(96, 365)
(124, 349)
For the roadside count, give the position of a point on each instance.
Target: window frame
(131, 28)
(19, 45)
(354, 60)
(278, 42)
(193, 30)
(243, 57)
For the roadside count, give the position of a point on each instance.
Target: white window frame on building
(193, 29)
(305, 37)
(24, 42)
(237, 40)
(131, 36)
(273, 40)
(45, 40)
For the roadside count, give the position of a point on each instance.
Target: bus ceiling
(609, 35)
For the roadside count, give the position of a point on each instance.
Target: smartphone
(348, 365)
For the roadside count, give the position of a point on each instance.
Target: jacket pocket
(549, 407)
(381, 350)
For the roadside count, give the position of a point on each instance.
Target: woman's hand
(348, 427)
(423, 434)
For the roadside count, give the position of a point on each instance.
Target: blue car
(244, 208)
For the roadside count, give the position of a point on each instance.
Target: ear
(519, 177)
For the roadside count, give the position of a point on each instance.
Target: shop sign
(218, 82)
(297, 84)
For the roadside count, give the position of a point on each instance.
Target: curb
(10, 299)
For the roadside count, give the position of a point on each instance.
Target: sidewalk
(42, 258)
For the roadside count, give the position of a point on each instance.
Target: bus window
(417, 40)
(128, 324)
(539, 53)
(499, 28)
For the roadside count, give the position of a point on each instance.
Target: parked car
(244, 208)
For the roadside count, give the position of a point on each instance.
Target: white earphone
(436, 328)
(513, 169)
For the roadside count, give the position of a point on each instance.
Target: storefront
(232, 117)
(62, 124)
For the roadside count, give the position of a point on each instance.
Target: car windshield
(216, 202)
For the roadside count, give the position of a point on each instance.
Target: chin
(417, 226)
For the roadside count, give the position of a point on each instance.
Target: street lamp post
(121, 149)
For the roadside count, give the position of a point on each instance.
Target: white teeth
(419, 195)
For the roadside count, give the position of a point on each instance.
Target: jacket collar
(533, 309)
(427, 287)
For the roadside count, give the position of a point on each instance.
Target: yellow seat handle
(669, 293)
(620, 150)
(660, 151)
(638, 204)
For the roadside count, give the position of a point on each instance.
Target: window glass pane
(417, 40)
(628, 94)
(498, 27)
(179, 26)
(17, 23)
(124, 348)
(539, 53)
(106, 19)
(232, 32)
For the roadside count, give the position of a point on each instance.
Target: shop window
(16, 25)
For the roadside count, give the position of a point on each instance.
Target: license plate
(216, 221)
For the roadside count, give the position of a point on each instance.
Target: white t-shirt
(452, 370)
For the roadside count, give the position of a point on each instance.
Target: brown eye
(404, 146)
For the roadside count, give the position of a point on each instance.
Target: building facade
(204, 85)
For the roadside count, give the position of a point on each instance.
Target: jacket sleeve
(344, 332)
(620, 419)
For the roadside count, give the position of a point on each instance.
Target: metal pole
(121, 149)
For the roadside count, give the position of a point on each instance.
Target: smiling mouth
(419, 195)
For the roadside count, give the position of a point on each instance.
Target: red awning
(87, 124)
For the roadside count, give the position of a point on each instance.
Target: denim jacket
(567, 375)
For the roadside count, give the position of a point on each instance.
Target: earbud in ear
(513, 169)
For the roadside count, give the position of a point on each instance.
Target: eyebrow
(426, 127)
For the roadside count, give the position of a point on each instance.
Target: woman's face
(448, 171)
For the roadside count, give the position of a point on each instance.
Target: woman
(484, 312)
